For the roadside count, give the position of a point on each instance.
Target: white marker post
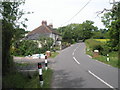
(40, 74)
(46, 63)
(108, 59)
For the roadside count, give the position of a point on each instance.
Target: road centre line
(101, 80)
(74, 51)
(76, 60)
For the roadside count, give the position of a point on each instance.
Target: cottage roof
(43, 29)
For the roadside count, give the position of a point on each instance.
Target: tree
(68, 34)
(111, 20)
(101, 34)
(87, 29)
(74, 32)
(11, 14)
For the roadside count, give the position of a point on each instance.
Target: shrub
(94, 44)
(98, 47)
(104, 48)
(57, 48)
(25, 47)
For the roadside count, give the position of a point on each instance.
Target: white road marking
(74, 51)
(100, 79)
(76, 60)
(89, 56)
(101, 62)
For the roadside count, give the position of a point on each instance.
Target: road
(74, 69)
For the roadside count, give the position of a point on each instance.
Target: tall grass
(35, 83)
(18, 80)
(54, 54)
(14, 80)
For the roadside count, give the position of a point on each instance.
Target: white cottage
(45, 30)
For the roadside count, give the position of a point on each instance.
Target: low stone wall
(27, 60)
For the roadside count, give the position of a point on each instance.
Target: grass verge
(35, 83)
(54, 54)
(113, 60)
(18, 80)
(112, 55)
(22, 64)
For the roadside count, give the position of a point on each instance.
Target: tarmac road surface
(74, 69)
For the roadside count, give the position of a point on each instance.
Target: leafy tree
(74, 32)
(10, 15)
(19, 34)
(68, 34)
(87, 29)
(101, 34)
(111, 20)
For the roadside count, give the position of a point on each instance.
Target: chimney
(51, 25)
(44, 23)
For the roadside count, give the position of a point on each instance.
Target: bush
(25, 47)
(104, 48)
(65, 45)
(57, 48)
(94, 44)
(98, 47)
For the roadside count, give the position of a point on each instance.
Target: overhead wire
(78, 12)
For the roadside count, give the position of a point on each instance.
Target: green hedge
(27, 47)
(96, 45)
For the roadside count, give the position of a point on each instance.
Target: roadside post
(96, 53)
(108, 59)
(46, 62)
(40, 74)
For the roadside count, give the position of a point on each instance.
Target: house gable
(43, 30)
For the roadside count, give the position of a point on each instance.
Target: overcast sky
(58, 12)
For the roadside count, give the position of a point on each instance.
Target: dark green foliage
(19, 80)
(11, 14)
(19, 33)
(94, 45)
(103, 48)
(29, 47)
(98, 47)
(111, 20)
(25, 48)
(101, 34)
(14, 80)
(74, 32)
(114, 34)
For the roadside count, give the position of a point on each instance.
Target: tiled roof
(44, 29)
(41, 30)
